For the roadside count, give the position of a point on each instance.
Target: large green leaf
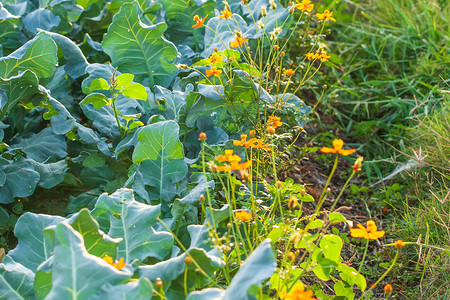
(20, 88)
(140, 49)
(159, 154)
(179, 16)
(16, 281)
(10, 29)
(37, 55)
(76, 274)
(33, 248)
(40, 146)
(133, 221)
(20, 180)
(95, 241)
(259, 266)
(76, 62)
(40, 18)
(134, 290)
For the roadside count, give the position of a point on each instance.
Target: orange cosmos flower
(213, 72)
(243, 215)
(199, 22)
(312, 56)
(117, 264)
(232, 162)
(225, 14)
(337, 144)
(275, 121)
(399, 244)
(214, 58)
(298, 293)
(289, 72)
(369, 233)
(253, 143)
(239, 41)
(305, 5)
(326, 15)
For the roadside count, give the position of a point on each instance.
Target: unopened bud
(202, 136)
(216, 49)
(188, 260)
(388, 289)
(252, 132)
(291, 255)
(282, 53)
(278, 183)
(159, 282)
(201, 198)
(270, 130)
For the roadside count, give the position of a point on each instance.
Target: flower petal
(338, 144)
(328, 150)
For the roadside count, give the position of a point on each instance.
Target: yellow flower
(243, 215)
(117, 264)
(199, 22)
(323, 56)
(369, 233)
(289, 72)
(275, 121)
(326, 15)
(214, 58)
(399, 244)
(225, 14)
(312, 56)
(305, 5)
(239, 41)
(242, 142)
(337, 144)
(213, 72)
(298, 293)
(232, 162)
(276, 47)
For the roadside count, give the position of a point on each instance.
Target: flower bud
(216, 49)
(270, 130)
(159, 282)
(278, 183)
(291, 255)
(388, 289)
(188, 260)
(201, 198)
(202, 136)
(252, 132)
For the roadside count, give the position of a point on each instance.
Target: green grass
(391, 60)
(388, 92)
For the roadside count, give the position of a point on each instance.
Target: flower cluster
(321, 54)
(231, 162)
(251, 143)
(275, 121)
(243, 215)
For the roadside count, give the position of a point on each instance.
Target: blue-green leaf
(32, 248)
(140, 49)
(76, 274)
(133, 221)
(159, 154)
